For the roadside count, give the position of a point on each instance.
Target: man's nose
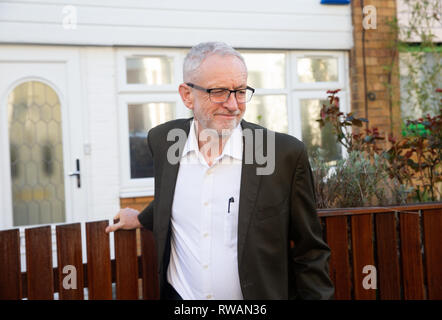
(231, 103)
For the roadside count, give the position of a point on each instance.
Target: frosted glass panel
(152, 70)
(266, 70)
(269, 111)
(36, 154)
(143, 117)
(317, 69)
(317, 139)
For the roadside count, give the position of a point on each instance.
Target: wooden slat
(362, 250)
(126, 264)
(412, 270)
(39, 263)
(10, 267)
(151, 289)
(69, 254)
(365, 210)
(99, 263)
(389, 280)
(340, 271)
(433, 252)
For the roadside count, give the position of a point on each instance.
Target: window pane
(317, 69)
(152, 70)
(143, 117)
(420, 76)
(269, 111)
(266, 70)
(317, 139)
(36, 152)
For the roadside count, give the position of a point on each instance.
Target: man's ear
(186, 95)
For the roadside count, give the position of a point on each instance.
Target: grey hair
(201, 51)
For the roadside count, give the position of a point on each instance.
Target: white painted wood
(99, 84)
(159, 18)
(302, 24)
(52, 67)
(303, 6)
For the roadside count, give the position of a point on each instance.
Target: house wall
(369, 56)
(102, 28)
(301, 24)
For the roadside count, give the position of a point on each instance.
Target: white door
(41, 176)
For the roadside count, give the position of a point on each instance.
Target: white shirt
(203, 259)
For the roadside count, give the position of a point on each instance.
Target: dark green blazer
(274, 210)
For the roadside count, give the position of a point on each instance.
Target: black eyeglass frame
(194, 86)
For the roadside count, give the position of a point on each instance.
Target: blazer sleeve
(310, 253)
(146, 216)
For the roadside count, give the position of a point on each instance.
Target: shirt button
(209, 296)
(206, 203)
(205, 266)
(205, 235)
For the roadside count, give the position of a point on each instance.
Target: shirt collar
(232, 148)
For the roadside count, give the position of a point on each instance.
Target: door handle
(77, 173)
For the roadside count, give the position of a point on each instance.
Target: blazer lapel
(249, 189)
(168, 181)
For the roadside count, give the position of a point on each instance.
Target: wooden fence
(403, 243)
(41, 280)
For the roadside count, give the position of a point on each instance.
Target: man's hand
(128, 220)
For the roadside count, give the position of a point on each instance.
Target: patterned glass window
(36, 152)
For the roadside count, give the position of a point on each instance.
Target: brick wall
(136, 203)
(371, 52)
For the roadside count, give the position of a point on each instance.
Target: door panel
(41, 136)
(36, 154)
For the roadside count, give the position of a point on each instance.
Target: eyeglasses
(221, 95)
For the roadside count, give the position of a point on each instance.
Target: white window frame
(123, 87)
(314, 94)
(342, 70)
(277, 91)
(139, 186)
(141, 94)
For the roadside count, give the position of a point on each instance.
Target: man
(222, 230)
